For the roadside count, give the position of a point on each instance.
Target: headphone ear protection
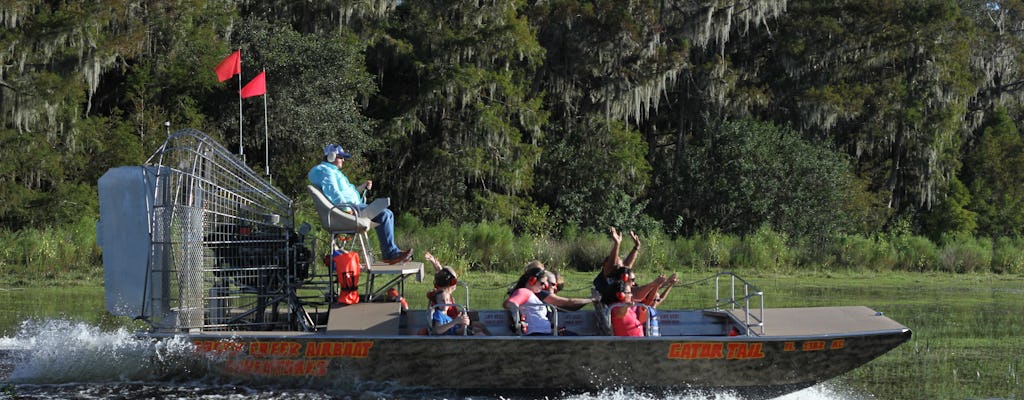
(331, 157)
(452, 280)
(621, 296)
(444, 278)
(535, 275)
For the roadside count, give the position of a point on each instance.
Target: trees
(316, 86)
(72, 76)
(545, 114)
(744, 175)
(993, 176)
(457, 108)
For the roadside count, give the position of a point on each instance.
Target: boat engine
(196, 240)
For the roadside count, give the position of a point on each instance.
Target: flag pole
(266, 134)
(241, 153)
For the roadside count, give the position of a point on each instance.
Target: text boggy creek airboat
(202, 248)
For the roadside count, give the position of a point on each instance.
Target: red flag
(230, 66)
(256, 87)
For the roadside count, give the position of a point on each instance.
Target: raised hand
(636, 239)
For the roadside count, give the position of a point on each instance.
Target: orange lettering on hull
(218, 346)
(338, 349)
(712, 351)
(695, 351)
(814, 345)
(281, 367)
(275, 349)
(743, 351)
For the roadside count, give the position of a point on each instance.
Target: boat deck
(820, 321)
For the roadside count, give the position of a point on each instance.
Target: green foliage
(1008, 255)
(712, 251)
(764, 250)
(858, 252)
(65, 253)
(950, 215)
(594, 175)
(916, 253)
(965, 254)
(994, 174)
(745, 174)
(564, 117)
(458, 101)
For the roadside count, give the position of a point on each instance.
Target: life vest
(431, 295)
(346, 265)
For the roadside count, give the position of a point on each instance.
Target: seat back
(608, 316)
(333, 218)
(516, 319)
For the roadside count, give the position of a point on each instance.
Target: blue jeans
(385, 232)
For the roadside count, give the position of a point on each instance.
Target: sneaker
(403, 256)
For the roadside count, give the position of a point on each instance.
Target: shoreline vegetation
(68, 255)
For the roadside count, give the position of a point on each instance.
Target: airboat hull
(751, 366)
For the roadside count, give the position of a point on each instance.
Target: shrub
(764, 249)
(962, 253)
(856, 251)
(1008, 256)
(713, 251)
(588, 251)
(66, 252)
(916, 253)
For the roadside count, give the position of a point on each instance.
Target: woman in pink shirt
(524, 298)
(627, 318)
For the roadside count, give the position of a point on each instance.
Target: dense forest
(810, 118)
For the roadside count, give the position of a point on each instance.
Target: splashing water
(59, 351)
(63, 358)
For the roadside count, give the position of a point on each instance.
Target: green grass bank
(69, 255)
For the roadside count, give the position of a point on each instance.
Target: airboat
(203, 249)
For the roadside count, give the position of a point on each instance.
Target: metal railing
(749, 291)
(222, 255)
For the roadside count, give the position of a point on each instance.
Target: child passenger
(448, 320)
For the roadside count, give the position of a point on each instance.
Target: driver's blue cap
(336, 149)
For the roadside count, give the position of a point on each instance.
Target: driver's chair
(344, 225)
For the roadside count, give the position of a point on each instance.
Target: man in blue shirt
(333, 183)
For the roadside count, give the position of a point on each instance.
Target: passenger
(558, 283)
(533, 264)
(549, 295)
(524, 299)
(530, 265)
(332, 182)
(627, 318)
(614, 269)
(446, 320)
(653, 299)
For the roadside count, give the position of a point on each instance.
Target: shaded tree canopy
(811, 118)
